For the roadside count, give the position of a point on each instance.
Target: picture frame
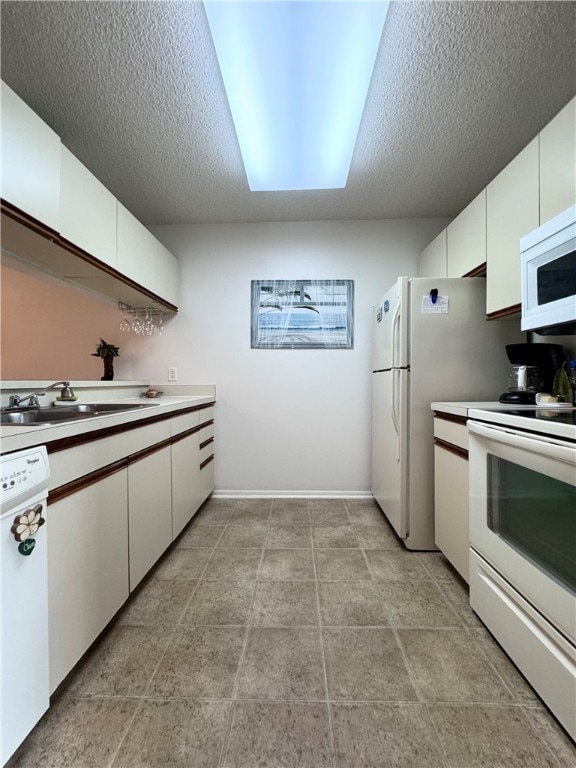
(302, 314)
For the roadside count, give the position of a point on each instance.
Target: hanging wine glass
(160, 327)
(125, 324)
(148, 326)
(137, 324)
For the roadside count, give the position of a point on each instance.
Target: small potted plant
(107, 352)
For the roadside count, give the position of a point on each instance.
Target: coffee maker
(533, 369)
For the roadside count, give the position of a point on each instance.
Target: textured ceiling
(134, 90)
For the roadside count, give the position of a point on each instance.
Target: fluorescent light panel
(296, 75)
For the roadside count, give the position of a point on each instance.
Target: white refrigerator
(431, 342)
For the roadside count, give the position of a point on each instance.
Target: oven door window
(536, 515)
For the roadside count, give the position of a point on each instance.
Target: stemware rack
(144, 320)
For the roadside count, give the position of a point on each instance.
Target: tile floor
(296, 634)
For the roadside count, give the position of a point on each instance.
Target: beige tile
(554, 735)
(516, 682)
(417, 604)
(215, 512)
(233, 564)
(285, 604)
(244, 536)
(252, 511)
(388, 564)
(365, 512)
(287, 504)
(158, 602)
(200, 536)
(279, 735)
(377, 537)
(439, 568)
(289, 514)
(282, 664)
(333, 537)
(287, 565)
(475, 736)
(176, 734)
(378, 735)
(182, 564)
(122, 663)
(76, 733)
(458, 595)
(340, 565)
(352, 603)
(328, 514)
(200, 662)
(220, 602)
(365, 664)
(281, 536)
(447, 666)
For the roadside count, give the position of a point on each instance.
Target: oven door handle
(540, 444)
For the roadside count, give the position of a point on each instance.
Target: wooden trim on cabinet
(479, 271)
(207, 461)
(191, 431)
(65, 443)
(451, 448)
(28, 221)
(50, 234)
(514, 309)
(450, 417)
(134, 457)
(85, 481)
(206, 442)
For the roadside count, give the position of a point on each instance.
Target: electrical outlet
(172, 373)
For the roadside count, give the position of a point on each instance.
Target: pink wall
(50, 328)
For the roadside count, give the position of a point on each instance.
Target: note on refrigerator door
(438, 307)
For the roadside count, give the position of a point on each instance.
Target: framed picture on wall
(302, 314)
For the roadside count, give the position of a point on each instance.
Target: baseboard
(231, 494)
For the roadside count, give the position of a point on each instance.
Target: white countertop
(15, 438)
(461, 409)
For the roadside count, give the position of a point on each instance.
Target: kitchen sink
(58, 414)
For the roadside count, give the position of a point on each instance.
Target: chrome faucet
(16, 401)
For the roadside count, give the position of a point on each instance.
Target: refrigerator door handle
(395, 335)
(395, 409)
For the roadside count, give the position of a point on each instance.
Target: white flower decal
(26, 524)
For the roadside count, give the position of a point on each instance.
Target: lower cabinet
(451, 492)
(108, 523)
(87, 566)
(149, 511)
(192, 472)
(185, 482)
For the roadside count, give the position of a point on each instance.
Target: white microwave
(548, 260)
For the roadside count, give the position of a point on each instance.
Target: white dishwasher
(24, 572)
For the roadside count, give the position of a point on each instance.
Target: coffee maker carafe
(533, 369)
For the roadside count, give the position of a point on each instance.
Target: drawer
(451, 432)
(207, 450)
(83, 459)
(186, 421)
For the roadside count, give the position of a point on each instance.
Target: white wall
(287, 421)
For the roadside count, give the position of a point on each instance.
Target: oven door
(523, 516)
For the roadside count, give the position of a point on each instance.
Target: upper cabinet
(466, 239)
(145, 260)
(558, 163)
(433, 258)
(87, 211)
(87, 236)
(30, 161)
(512, 210)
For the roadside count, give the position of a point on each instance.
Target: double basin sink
(61, 413)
